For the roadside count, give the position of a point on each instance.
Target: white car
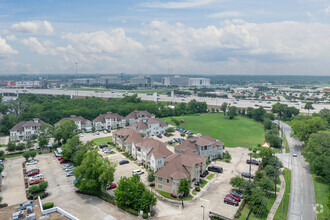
(66, 166)
(139, 172)
(31, 162)
(81, 135)
(38, 176)
(105, 131)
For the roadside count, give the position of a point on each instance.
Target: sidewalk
(278, 200)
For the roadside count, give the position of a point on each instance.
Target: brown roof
(175, 165)
(20, 126)
(139, 114)
(73, 118)
(142, 125)
(159, 148)
(191, 143)
(129, 135)
(102, 117)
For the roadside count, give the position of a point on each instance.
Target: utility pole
(203, 211)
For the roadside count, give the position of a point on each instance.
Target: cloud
(176, 5)
(34, 45)
(5, 49)
(225, 14)
(11, 37)
(327, 10)
(33, 27)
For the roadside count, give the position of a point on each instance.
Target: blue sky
(148, 36)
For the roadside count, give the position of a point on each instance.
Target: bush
(145, 215)
(170, 130)
(3, 205)
(226, 156)
(197, 188)
(130, 210)
(175, 121)
(48, 205)
(238, 214)
(182, 134)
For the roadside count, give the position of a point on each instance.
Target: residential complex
(82, 123)
(126, 137)
(150, 126)
(109, 121)
(137, 116)
(25, 129)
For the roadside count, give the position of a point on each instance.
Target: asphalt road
(302, 200)
(153, 97)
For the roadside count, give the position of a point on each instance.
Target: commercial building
(199, 82)
(85, 81)
(22, 84)
(186, 81)
(106, 80)
(143, 80)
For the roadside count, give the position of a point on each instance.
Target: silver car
(294, 154)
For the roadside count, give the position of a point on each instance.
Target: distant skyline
(204, 37)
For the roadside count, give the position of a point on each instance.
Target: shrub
(175, 121)
(130, 210)
(145, 215)
(238, 214)
(182, 134)
(190, 136)
(48, 205)
(170, 130)
(197, 188)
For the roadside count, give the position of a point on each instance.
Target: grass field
(321, 190)
(286, 197)
(104, 140)
(167, 195)
(240, 132)
(245, 212)
(210, 176)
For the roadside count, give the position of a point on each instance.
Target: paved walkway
(278, 200)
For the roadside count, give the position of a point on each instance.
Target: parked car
(294, 154)
(70, 168)
(81, 135)
(97, 133)
(236, 193)
(139, 172)
(122, 162)
(70, 173)
(103, 146)
(107, 151)
(204, 174)
(31, 162)
(173, 195)
(31, 148)
(33, 172)
(36, 181)
(215, 169)
(255, 162)
(60, 158)
(159, 136)
(230, 201)
(38, 176)
(166, 135)
(237, 198)
(64, 161)
(247, 175)
(66, 166)
(111, 186)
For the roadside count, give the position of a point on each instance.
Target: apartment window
(160, 186)
(160, 179)
(205, 147)
(168, 181)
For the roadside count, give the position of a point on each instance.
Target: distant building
(141, 80)
(186, 81)
(106, 80)
(22, 84)
(82, 123)
(84, 81)
(25, 129)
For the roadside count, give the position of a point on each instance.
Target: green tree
(11, 147)
(26, 155)
(259, 113)
(266, 184)
(279, 109)
(43, 141)
(183, 188)
(304, 126)
(224, 107)
(151, 177)
(65, 130)
(1, 153)
(95, 173)
(309, 106)
(33, 154)
(70, 147)
(20, 147)
(238, 182)
(232, 113)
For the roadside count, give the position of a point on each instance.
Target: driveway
(13, 182)
(62, 192)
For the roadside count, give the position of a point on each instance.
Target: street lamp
(203, 211)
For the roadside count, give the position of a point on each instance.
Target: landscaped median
(282, 210)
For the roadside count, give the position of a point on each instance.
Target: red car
(36, 181)
(33, 172)
(64, 161)
(112, 186)
(174, 196)
(230, 201)
(238, 199)
(60, 158)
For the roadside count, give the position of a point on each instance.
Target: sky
(209, 37)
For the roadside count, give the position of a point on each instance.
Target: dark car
(103, 145)
(64, 161)
(122, 162)
(173, 195)
(230, 201)
(255, 162)
(215, 169)
(159, 136)
(204, 174)
(236, 193)
(166, 135)
(247, 175)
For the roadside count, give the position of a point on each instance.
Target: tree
(238, 182)
(70, 147)
(65, 130)
(279, 109)
(11, 147)
(232, 113)
(26, 155)
(267, 124)
(309, 106)
(43, 141)
(20, 147)
(151, 177)
(258, 114)
(304, 126)
(33, 154)
(224, 107)
(266, 184)
(273, 139)
(95, 173)
(1, 153)
(183, 188)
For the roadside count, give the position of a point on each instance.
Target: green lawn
(321, 190)
(245, 212)
(287, 149)
(204, 182)
(168, 195)
(240, 132)
(286, 197)
(210, 176)
(104, 140)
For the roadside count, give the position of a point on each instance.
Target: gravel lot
(13, 182)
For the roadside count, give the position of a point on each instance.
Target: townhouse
(25, 129)
(136, 116)
(126, 138)
(82, 123)
(109, 121)
(150, 126)
(179, 166)
(204, 145)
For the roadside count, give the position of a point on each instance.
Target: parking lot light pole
(203, 211)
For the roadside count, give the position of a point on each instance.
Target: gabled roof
(73, 118)
(140, 125)
(139, 114)
(102, 117)
(128, 135)
(143, 124)
(175, 165)
(158, 148)
(21, 125)
(191, 143)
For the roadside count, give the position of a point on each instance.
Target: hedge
(48, 205)
(130, 210)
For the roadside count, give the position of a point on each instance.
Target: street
(302, 200)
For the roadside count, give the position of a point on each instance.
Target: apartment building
(25, 129)
(109, 121)
(82, 123)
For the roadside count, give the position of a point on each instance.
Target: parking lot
(90, 136)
